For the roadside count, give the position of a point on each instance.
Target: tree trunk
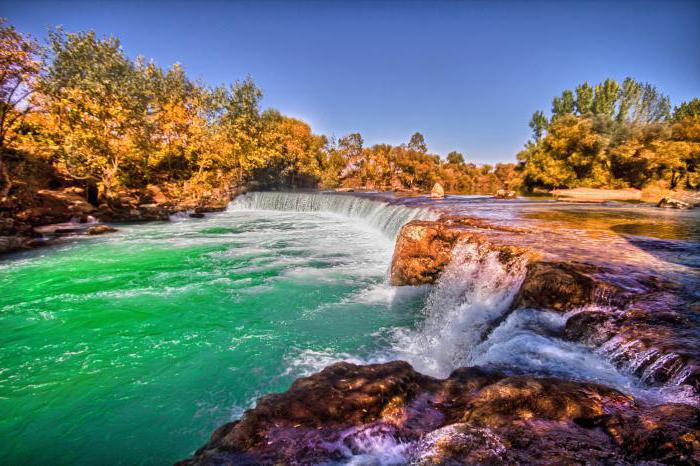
(5, 177)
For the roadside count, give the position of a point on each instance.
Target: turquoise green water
(131, 348)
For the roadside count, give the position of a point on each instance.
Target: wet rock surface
(424, 248)
(472, 417)
(563, 286)
(649, 329)
(100, 230)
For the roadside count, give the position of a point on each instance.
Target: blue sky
(468, 75)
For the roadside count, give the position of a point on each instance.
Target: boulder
(196, 215)
(422, 251)
(671, 203)
(13, 243)
(438, 192)
(472, 417)
(561, 286)
(506, 194)
(100, 230)
(424, 248)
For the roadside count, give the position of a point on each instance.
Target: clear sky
(468, 75)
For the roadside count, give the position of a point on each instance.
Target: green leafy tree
(563, 105)
(690, 109)
(417, 143)
(584, 98)
(605, 98)
(538, 124)
(455, 158)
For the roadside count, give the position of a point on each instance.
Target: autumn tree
(20, 64)
(97, 100)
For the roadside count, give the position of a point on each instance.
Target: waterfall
(378, 214)
(474, 290)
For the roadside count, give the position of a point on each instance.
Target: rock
(670, 203)
(13, 243)
(652, 336)
(422, 251)
(157, 194)
(100, 230)
(561, 286)
(424, 247)
(506, 194)
(438, 192)
(472, 417)
(196, 215)
(344, 190)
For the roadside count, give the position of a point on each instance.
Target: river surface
(131, 348)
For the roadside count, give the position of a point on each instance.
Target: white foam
(474, 289)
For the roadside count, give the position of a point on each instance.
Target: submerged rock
(100, 230)
(472, 417)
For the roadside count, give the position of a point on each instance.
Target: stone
(100, 230)
(13, 243)
(196, 215)
(438, 192)
(561, 286)
(506, 194)
(424, 248)
(671, 203)
(472, 417)
(422, 251)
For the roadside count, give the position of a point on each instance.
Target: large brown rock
(561, 286)
(423, 249)
(472, 417)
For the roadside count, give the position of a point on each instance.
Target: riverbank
(51, 214)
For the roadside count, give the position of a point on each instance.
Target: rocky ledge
(55, 213)
(651, 331)
(472, 417)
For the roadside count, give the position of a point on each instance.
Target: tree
(563, 105)
(690, 109)
(456, 158)
(538, 124)
(605, 98)
(417, 143)
(98, 103)
(584, 98)
(20, 64)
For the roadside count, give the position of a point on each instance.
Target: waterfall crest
(381, 215)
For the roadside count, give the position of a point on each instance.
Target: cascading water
(387, 218)
(474, 290)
